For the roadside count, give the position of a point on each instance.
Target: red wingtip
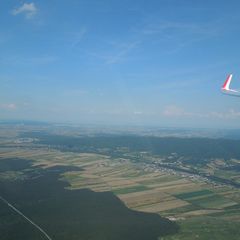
(226, 83)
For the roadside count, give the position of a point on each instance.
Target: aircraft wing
(226, 87)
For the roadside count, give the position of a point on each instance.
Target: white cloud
(27, 9)
(8, 106)
(230, 114)
(20, 60)
(78, 36)
(183, 30)
(137, 112)
(174, 111)
(115, 58)
(179, 34)
(75, 92)
(116, 52)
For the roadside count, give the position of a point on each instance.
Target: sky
(137, 62)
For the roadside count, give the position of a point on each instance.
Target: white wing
(226, 87)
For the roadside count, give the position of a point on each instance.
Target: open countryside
(173, 185)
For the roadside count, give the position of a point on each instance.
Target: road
(26, 218)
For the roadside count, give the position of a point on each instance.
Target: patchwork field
(200, 207)
(160, 192)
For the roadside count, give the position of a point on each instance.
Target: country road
(26, 218)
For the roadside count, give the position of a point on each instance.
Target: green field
(205, 228)
(130, 189)
(189, 195)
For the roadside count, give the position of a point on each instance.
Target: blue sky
(120, 62)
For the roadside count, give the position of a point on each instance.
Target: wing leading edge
(226, 87)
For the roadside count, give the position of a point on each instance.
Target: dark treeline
(194, 149)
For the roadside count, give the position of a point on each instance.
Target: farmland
(199, 197)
